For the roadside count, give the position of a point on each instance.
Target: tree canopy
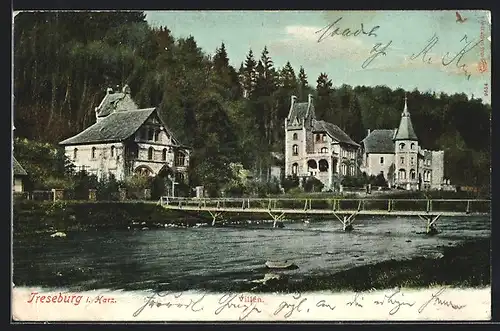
(63, 62)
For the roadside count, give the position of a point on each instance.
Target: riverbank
(464, 265)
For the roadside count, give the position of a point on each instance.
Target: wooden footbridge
(344, 210)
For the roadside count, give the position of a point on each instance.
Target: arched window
(402, 174)
(323, 165)
(323, 137)
(412, 146)
(413, 174)
(164, 154)
(295, 136)
(112, 151)
(150, 153)
(318, 137)
(401, 146)
(93, 152)
(295, 168)
(295, 150)
(311, 164)
(324, 150)
(179, 159)
(75, 153)
(344, 169)
(351, 170)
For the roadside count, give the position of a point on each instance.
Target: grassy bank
(465, 265)
(32, 217)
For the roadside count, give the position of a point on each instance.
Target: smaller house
(19, 175)
(126, 140)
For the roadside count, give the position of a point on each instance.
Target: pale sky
(293, 36)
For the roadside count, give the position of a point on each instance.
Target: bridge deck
(291, 211)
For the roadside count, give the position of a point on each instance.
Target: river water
(214, 258)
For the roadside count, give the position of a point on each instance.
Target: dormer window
(401, 146)
(151, 134)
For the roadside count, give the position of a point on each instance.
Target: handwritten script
(448, 59)
(296, 306)
(379, 49)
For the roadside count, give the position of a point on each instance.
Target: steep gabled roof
(334, 131)
(405, 130)
(298, 111)
(114, 127)
(18, 168)
(379, 142)
(116, 101)
(301, 110)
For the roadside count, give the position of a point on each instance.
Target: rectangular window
(412, 160)
(402, 160)
(382, 160)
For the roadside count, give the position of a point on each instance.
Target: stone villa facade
(397, 155)
(126, 140)
(317, 148)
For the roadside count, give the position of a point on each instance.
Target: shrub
(290, 182)
(312, 184)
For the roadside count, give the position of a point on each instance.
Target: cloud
(302, 42)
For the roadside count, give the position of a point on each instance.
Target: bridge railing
(427, 205)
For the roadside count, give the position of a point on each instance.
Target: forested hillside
(63, 62)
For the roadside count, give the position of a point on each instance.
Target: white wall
(102, 163)
(18, 184)
(374, 167)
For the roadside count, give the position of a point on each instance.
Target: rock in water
(58, 235)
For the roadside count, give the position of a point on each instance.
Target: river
(215, 258)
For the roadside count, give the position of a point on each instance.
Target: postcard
(243, 166)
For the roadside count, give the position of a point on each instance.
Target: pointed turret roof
(405, 130)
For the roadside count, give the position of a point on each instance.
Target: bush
(290, 182)
(312, 184)
(108, 189)
(378, 180)
(136, 185)
(84, 182)
(354, 181)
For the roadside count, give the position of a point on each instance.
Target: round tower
(406, 153)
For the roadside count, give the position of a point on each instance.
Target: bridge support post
(214, 216)
(430, 220)
(276, 218)
(346, 220)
